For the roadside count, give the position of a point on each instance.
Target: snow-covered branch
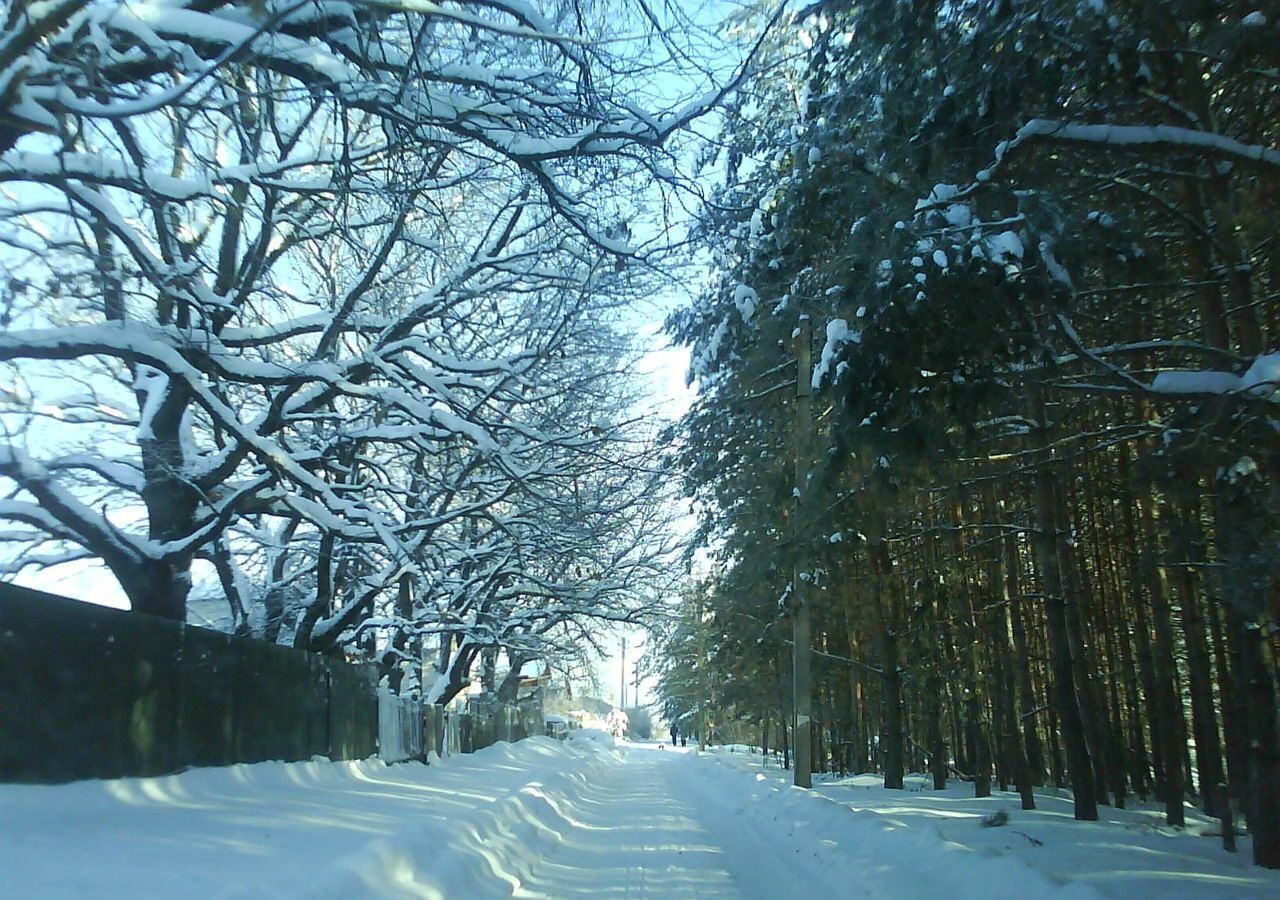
(1140, 137)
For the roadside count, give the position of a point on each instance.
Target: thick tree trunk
(1264, 743)
(273, 599)
(161, 588)
(323, 599)
(1247, 574)
(394, 661)
(981, 750)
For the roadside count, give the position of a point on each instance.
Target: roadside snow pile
(935, 840)
(585, 737)
(466, 828)
(488, 852)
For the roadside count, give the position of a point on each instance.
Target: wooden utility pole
(799, 584)
(635, 684)
(622, 687)
(702, 678)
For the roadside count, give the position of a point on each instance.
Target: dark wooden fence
(486, 723)
(92, 692)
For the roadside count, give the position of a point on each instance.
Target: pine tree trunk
(892, 735)
(1204, 720)
(1241, 505)
(1137, 762)
(1057, 765)
(933, 727)
(981, 751)
(1168, 707)
(1065, 691)
(1142, 630)
(855, 711)
(1264, 743)
(1082, 670)
(1021, 766)
(1233, 712)
(1110, 700)
(818, 742)
(978, 733)
(1033, 752)
(786, 744)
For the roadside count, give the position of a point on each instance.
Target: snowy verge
(935, 841)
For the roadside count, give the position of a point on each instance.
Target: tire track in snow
(770, 860)
(634, 836)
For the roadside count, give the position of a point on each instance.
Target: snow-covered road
(637, 834)
(550, 820)
(639, 822)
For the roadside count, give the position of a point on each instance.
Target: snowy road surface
(542, 819)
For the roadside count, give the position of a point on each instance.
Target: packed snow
(583, 818)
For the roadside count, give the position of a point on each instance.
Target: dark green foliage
(1011, 224)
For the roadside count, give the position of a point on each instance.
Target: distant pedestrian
(684, 740)
(675, 733)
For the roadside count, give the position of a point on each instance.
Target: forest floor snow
(579, 819)
(1127, 853)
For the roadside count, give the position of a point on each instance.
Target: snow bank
(591, 737)
(488, 852)
(315, 829)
